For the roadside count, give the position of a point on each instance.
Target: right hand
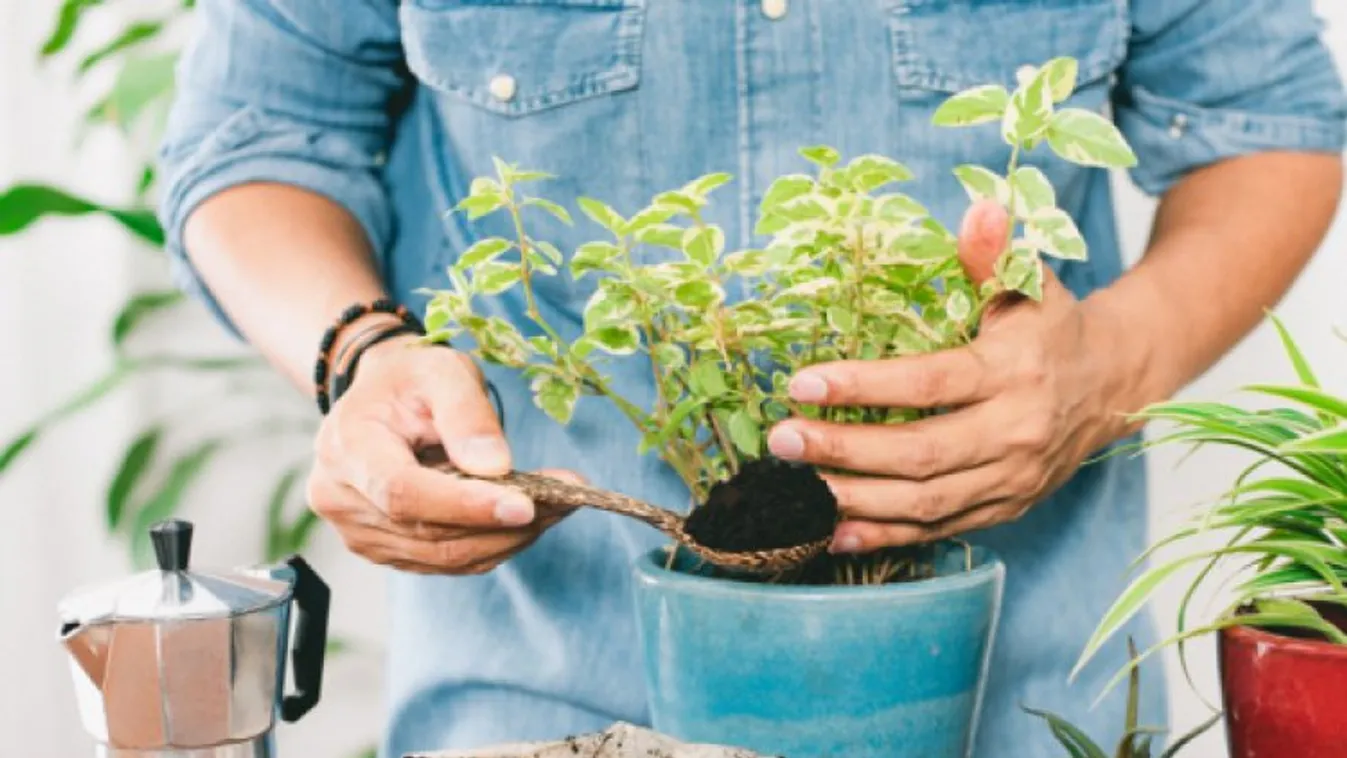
(391, 509)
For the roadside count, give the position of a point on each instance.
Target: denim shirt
(390, 109)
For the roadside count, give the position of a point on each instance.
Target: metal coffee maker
(174, 663)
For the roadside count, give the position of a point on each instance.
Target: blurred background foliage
(157, 468)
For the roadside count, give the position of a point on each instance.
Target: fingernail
(809, 388)
(486, 455)
(513, 509)
(785, 442)
(845, 543)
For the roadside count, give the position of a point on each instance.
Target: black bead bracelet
(322, 369)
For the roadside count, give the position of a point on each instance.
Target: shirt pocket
(944, 46)
(519, 57)
(548, 85)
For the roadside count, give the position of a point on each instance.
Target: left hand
(1029, 399)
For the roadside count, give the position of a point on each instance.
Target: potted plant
(1137, 740)
(877, 656)
(1283, 635)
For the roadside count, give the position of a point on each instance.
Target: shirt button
(502, 87)
(775, 9)
(1178, 126)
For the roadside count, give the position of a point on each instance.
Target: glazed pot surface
(1285, 697)
(895, 671)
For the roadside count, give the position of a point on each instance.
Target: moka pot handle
(313, 600)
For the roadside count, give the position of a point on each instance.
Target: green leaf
(81, 400)
(492, 278)
(1029, 113)
(785, 188)
(168, 499)
(708, 379)
(1186, 739)
(555, 397)
(550, 254)
(680, 202)
(560, 213)
(278, 542)
(981, 184)
(24, 204)
(66, 22)
(1076, 743)
(135, 460)
(593, 256)
(745, 433)
(1332, 440)
(1088, 139)
(841, 318)
(1060, 74)
(1315, 399)
(1054, 232)
(975, 106)
(479, 205)
(144, 84)
(602, 214)
(1125, 607)
(1020, 270)
(617, 340)
(704, 185)
(652, 216)
(1302, 366)
(16, 447)
(867, 173)
(140, 306)
(821, 155)
(698, 295)
(482, 251)
(131, 36)
(1033, 191)
(662, 235)
(704, 244)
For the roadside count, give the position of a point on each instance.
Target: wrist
(1133, 366)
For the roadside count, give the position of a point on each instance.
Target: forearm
(283, 263)
(1228, 242)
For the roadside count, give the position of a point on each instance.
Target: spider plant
(1284, 518)
(1136, 741)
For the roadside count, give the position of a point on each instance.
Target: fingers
(982, 238)
(473, 555)
(946, 378)
(465, 419)
(927, 503)
(916, 450)
(867, 536)
(382, 468)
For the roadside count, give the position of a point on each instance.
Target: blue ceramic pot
(892, 671)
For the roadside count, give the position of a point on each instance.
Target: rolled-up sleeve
(1207, 80)
(295, 92)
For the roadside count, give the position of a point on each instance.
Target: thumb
(982, 238)
(464, 418)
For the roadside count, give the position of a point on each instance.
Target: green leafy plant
(157, 469)
(1137, 741)
(1284, 518)
(849, 268)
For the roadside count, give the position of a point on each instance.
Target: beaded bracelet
(323, 366)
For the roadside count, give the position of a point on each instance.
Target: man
(316, 145)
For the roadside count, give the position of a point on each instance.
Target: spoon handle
(546, 491)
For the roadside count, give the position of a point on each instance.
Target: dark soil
(769, 504)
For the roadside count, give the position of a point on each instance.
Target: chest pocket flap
(515, 57)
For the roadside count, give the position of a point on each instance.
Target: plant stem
(525, 276)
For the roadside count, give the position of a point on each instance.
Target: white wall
(59, 287)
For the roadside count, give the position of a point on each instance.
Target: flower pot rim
(1251, 635)
(650, 570)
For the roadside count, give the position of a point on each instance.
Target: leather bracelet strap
(342, 381)
(322, 368)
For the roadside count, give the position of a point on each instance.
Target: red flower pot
(1285, 696)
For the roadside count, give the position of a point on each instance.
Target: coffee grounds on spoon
(769, 504)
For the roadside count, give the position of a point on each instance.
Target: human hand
(1028, 400)
(386, 505)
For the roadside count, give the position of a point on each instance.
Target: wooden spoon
(548, 492)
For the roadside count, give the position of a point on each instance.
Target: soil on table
(768, 504)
